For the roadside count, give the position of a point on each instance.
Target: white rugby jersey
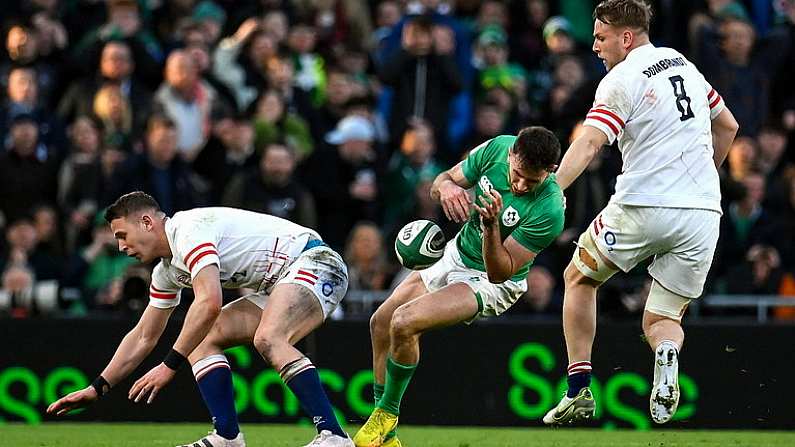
(250, 249)
(660, 108)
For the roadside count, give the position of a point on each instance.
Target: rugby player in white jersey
(298, 281)
(673, 131)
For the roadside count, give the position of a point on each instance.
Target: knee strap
(588, 260)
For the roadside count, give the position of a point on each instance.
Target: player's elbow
(211, 305)
(498, 277)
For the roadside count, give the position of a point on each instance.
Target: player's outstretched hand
(73, 401)
(151, 383)
(455, 202)
(491, 204)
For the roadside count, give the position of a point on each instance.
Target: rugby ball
(419, 244)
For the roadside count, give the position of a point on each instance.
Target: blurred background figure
(365, 256)
(272, 188)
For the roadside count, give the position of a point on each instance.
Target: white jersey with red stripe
(251, 250)
(660, 107)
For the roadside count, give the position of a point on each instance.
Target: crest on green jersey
(510, 216)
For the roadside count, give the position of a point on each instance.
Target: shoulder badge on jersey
(510, 216)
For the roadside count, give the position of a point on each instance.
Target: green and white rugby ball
(419, 244)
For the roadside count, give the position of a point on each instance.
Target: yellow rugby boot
(374, 431)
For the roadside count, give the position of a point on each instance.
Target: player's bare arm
(502, 260)
(580, 153)
(724, 129)
(200, 318)
(132, 350)
(450, 189)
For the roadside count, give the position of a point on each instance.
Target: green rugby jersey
(534, 219)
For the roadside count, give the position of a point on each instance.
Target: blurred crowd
(338, 114)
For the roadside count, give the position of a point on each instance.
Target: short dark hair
(630, 13)
(159, 119)
(537, 147)
(130, 203)
(423, 22)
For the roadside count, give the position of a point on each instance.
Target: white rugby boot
(665, 391)
(571, 410)
(328, 439)
(213, 439)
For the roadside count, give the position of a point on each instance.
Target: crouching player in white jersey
(298, 280)
(673, 132)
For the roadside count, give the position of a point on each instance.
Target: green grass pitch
(129, 435)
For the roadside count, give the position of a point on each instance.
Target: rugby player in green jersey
(516, 212)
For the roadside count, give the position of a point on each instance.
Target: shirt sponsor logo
(485, 184)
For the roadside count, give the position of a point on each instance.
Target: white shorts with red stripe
(320, 270)
(682, 242)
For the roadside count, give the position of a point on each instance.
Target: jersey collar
(641, 49)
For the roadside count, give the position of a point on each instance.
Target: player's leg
(408, 289)
(449, 305)
(235, 326)
(292, 312)
(608, 241)
(679, 276)
(663, 330)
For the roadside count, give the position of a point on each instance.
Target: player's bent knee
(402, 324)
(663, 304)
(379, 323)
(266, 340)
(587, 266)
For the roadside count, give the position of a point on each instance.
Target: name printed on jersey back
(663, 65)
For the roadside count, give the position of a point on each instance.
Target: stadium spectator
(22, 50)
(158, 171)
(280, 76)
(81, 179)
(490, 121)
(272, 188)
(28, 169)
(124, 24)
(115, 112)
(343, 23)
(560, 43)
(23, 249)
(772, 143)
(424, 77)
(408, 167)
(48, 232)
(542, 297)
(525, 34)
(759, 273)
(388, 14)
(211, 18)
(740, 66)
(116, 66)
(742, 158)
(339, 94)
(344, 178)
(240, 61)
(23, 98)
(273, 122)
(309, 67)
(96, 270)
(364, 256)
(188, 100)
(494, 69)
(199, 51)
(744, 225)
(229, 151)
